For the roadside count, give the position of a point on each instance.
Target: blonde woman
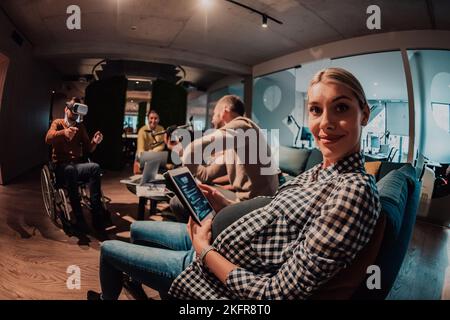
(313, 227)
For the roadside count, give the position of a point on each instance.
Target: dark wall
(25, 106)
(142, 114)
(170, 102)
(106, 99)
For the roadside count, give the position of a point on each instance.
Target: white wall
(374, 43)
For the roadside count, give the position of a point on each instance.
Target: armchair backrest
(399, 195)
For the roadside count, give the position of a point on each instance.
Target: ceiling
(210, 42)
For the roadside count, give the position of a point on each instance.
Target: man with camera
(70, 147)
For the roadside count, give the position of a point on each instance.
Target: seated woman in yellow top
(145, 140)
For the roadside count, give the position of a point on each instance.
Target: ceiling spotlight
(264, 21)
(375, 84)
(132, 101)
(137, 82)
(206, 3)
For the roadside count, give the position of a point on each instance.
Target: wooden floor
(35, 254)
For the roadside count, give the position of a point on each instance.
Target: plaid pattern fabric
(314, 227)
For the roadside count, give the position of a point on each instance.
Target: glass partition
(382, 76)
(279, 101)
(274, 100)
(430, 71)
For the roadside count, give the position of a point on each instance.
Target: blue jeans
(72, 173)
(159, 253)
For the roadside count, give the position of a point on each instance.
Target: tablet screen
(193, 194)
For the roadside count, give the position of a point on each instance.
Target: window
(384, 84)
(279, 101)
(430, 70)
(196, 108)
(274, 100)
(441, 115)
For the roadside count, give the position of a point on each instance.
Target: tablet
(190, 194)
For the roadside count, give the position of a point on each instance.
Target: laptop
(149, 175)
(150, 172)
(160, 156)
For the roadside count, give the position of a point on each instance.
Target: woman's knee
(143, 230)
(110, 247)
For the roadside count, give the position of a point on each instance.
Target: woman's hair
(343, 77)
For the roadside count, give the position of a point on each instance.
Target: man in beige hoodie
(239, 163)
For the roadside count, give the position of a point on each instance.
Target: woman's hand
(214, 261)
(217, 200)
(200, 235)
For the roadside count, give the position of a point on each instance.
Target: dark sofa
(399, 195)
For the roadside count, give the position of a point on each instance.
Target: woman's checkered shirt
(314, 227)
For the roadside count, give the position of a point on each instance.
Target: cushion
(372, 167)
(387, 167)
(393, 191)
(315, 157)
(347, 281)
(394, 188)
(293, 160)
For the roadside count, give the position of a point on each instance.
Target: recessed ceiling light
(132, 100)
(375, 84)
(264, 23)
(375, 95)
(137, 82)
(206, 3)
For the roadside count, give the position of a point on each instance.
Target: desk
(433, 164)
(143, 198)
(376, 157)
(130, 136)
(153, 205)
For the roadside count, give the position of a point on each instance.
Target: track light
(265, 16)
(264, 19)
